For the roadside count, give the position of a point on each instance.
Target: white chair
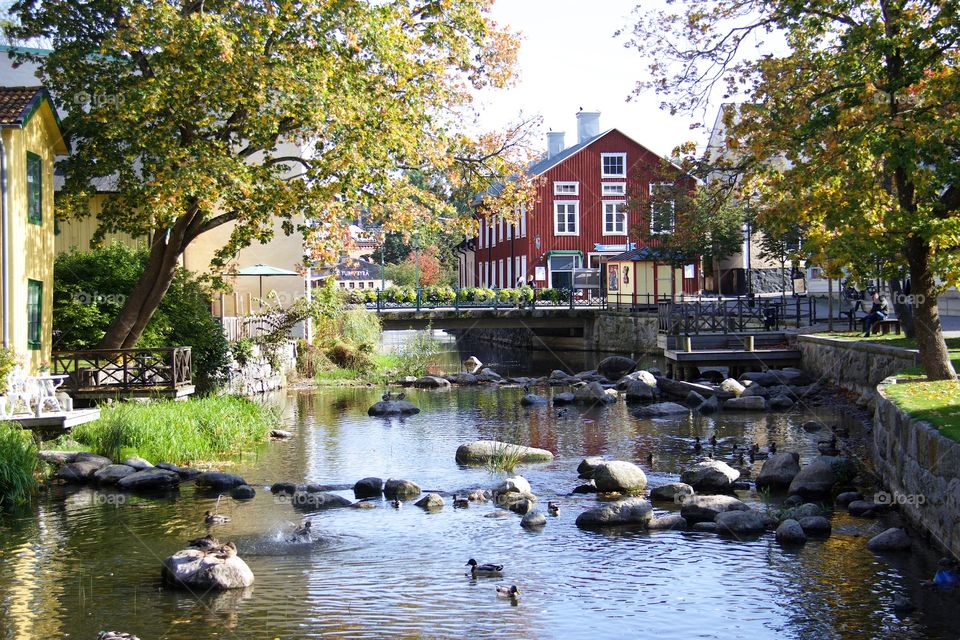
(20, 390)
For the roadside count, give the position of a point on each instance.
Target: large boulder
(368, 488)
(533, 520)
(615, 367)
(740, 523)
(112, 473)
(532, 399)
(243, 492)
(779, 470)
(619, 475)
(593, 392)
(675, 492)
(893, 539)
(638, 376)
(513, 484)
(80, 471)
(732, 386)
(138, 463)
(815, 525)
(674, 522)
(639, 391)
(392, 408)
(790, 532)
(482, 451)
(401, 489)
(815, 479)
(204, 571)
(710, 405)
(431, 382)
(465, 379)
(430, 502)
(780, 403)
(661, 409)
(150, 480)
(564, 397)
(712, 476)
(488, 375)
(317, 501)
(865, 508)
(624, 512)
(746, 403)
(588, 465)
(218, 481)
(694, 400)
(706, 508)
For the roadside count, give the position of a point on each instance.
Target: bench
(883, 327)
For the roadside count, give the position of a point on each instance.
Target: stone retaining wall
(921, 470)
(622, 332)
(855, 366)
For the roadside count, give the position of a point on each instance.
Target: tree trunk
(934, 356)
(830, 304)
(901, 304)
(140, 305)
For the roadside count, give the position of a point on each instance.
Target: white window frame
(500, 273)
(673, 207)
(523, 220)
(560, 185)
(576, 217)
(483, 232)
(517, 272)
(523, 268)
(611, 230)
(499, 229)
(508, 282)
(613, 189)
(603, 171)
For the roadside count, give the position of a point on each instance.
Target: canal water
(82, 561)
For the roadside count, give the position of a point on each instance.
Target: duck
(302, 533)
(553, 508)
(214, 518)
(713, 441)
(696, 445)
(526, 390)
(651, 459)
(508, 592)
(561, 413)
(488, 569)
(772, 448)
(386, 397)
(206, 543)
(401, 395)
(227, 551)
(478, 495)
(116, 635)
(396, 504)
(460, 503)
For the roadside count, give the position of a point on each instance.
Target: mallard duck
(772, 448)
(396, 504)
(484, 569)
(460, 503)
(507, 592)
(206, 543)
(116, 635)
(696, 444)
(228, 550)
(713, 441)
(477, 495)
(651, 459)
(214, 518)
(386, 397)
(553, 508)
(302, 533)
(526, 390)
(401, 395)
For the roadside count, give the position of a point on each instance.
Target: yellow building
(636, 278)
(31, 141)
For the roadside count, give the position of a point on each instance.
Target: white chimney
(554, 143)
(588, 125)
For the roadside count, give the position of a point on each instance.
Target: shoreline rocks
(713, 476)
(779, 470)
(632, 511)
(707, 508)
(620, 476)
(482, 451)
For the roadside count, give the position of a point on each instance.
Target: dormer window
(613, 165)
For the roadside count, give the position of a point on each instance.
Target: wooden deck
(56, 421)
(100, 374)
(737, 361)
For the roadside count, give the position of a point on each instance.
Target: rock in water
(243, 492)
(779, 470)
(736, 523)
(710, 405)
(150, 480)
(639, 391)
(710, 476)
(137, 463)
(615, 367)
(482, 451)
(815, 525)
(532, 399)
(661, 409)
(815, 479)
(790, 532)
(675, 492)
(533, 520)
(317, 500)
(706, 508)
(392, 408)
(732, 386)
(430, 502)
(593, 392)
(112, 473)
(619, 475)
(196, 569)
(674, 522)
(431, 382)
(564, 397)
(588, 465)
(893, 539)
(489, 375)
(746, 403)
(630, 511)
(401, 489)
(368, 488)
(217, 481)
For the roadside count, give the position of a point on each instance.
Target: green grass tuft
(18, 465)
(937, 402)
(199, 429)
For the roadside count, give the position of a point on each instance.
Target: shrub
(310, 359)
(360, 326)
(347, 356)
(242, 351)
(8, 360)
(418, 352)
(18, 463)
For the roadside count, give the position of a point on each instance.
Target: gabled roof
(640, 254)
(18, 104)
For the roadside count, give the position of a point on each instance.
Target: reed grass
(18, 465)
(505, 457)
(199, 429)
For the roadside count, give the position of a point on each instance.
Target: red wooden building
(590, 201)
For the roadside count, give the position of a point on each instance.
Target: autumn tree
(202, 113)
(848, 128)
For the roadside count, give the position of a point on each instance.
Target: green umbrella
(264, 270)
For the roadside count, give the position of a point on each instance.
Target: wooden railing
(161, 369)
(736, 315)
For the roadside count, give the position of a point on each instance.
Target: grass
(937, 402)
(200, 429)
(505, 457)
(18, 465)
(387, 365)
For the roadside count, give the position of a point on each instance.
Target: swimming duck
(772, 448)
(302, 533)
(460, 503)
(396, 504)
(484, 569)
(507, 592)
(116, 635)
(651, 459)
(713, 441)
(696, 445)
(206, 543)
(553, 508)
(214, 518)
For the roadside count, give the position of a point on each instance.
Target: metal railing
(736, 315)
(165, 368)
(421, 299)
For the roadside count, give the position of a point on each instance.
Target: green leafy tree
(850, 130)
(190, 110)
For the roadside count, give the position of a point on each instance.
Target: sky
(569, 58)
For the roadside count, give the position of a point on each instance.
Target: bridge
(488, 318)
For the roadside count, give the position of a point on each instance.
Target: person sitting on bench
(877, 312)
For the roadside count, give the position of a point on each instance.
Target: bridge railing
(479, 298)
(734, 315)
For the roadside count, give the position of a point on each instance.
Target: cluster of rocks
(138, 475)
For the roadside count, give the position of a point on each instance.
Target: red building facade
(591, 199)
